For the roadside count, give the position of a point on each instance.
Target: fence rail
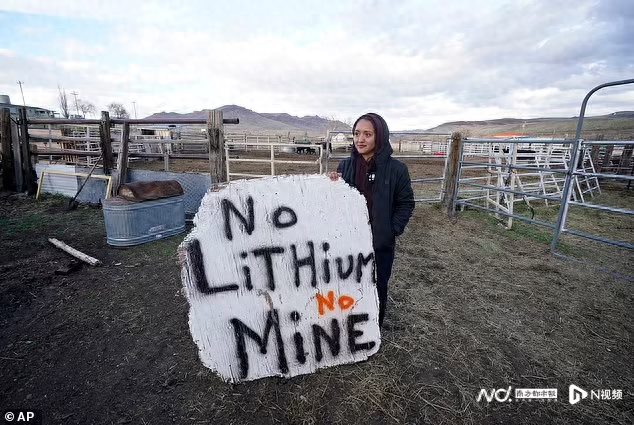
(318, 147)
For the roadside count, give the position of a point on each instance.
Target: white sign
(279, 274)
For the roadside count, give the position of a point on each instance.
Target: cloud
(417, 63)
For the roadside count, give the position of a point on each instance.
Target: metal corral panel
(54, 183)
(134, 223)
(93, 192)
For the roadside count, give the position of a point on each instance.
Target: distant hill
(254, 122)
(614, 126)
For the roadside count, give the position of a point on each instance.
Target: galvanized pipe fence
(273, 147)
(565, 164)
(422, 149)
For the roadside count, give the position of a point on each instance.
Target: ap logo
(576, 394)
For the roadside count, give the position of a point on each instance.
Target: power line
(20, 84)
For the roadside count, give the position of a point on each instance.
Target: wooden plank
(52, 138)
(607, 156)
(625, 165)
(306, 320)
(29, 178)
(215, 134)
(8, 169)
(75, 253)
(106, 142)
(451, 178)
(122, 159)
(17, 157)
(75, 152)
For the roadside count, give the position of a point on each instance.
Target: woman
(386, 186)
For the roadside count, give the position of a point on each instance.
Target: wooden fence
(20, 148)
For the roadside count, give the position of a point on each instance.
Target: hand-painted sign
(279, 274)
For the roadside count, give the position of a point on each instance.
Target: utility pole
(134, 104)
(74, 93)
(20, 84)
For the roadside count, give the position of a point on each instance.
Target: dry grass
(471, 306)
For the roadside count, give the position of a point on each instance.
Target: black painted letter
(348, 272)
(249, 224)
(307, 261)
(362, 261)
(278, 212)
(266, 253)
(326, 265)
(353, 334)
(198, 268)
(333, 341)
(241, 330)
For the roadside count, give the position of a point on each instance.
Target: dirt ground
(471, 306)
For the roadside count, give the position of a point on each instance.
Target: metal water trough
(134, 223)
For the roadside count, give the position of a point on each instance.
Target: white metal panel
(54, 183)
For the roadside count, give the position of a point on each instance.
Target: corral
(472, 306)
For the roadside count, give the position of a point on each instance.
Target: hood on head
(382, 132)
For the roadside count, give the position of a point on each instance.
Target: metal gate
(556, 171)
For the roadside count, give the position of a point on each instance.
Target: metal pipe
(297, 145)
(405, 133)
(427, 199)
(434, 179)
(250, 175)
(604, 176)
(521, 141)
(268, 161)
(148, 121)
(418, 133)
(609, 142)
(473, 165)
(599, 239)
(500, 189)
(603, 208)
(519, 217)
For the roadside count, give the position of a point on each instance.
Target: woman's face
(365, 138)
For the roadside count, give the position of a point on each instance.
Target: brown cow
(150, 190)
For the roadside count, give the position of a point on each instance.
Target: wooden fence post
(451, 177)
(106, 142)
(215, 134)
(122, 160)
(626, 160)
(17, 156)
(595, 152)
(29, 178)
(8, 168)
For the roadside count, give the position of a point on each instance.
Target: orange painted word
(345, 302)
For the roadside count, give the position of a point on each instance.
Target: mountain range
(252, 122)
(614, 126)
(617, 125)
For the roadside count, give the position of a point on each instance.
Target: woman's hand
(334, 176)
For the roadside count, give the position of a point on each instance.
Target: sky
(417, 63)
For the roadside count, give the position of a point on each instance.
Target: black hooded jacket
(392, 195)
